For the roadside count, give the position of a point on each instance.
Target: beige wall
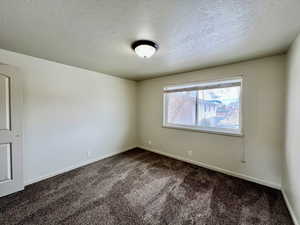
(70, 112)
(264, 84)
(291, 171)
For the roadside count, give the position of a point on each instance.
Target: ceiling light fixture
(144, 48)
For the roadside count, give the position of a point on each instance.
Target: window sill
(195, 129)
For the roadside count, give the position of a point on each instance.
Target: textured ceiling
(192, 34)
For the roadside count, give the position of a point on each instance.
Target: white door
(11, 163)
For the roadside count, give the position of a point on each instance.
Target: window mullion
(196, 109)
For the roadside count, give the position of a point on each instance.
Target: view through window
(214, 106)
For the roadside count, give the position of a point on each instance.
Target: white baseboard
(215, 168)
(293, 215)
(79, 164)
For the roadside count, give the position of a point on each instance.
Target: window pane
(182, 108)
(219, 108)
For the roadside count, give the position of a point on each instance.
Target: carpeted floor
(139, 187)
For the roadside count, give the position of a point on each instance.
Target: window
(210, 107)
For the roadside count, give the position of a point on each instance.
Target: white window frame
(223, 131)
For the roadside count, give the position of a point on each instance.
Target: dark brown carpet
(139, 187)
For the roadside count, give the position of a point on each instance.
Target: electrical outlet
(149, 142)
(190, 153)
(88, 153)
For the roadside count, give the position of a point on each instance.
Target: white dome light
(145, 51)
(144, 48)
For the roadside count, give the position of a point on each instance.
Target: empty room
(148, 112)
